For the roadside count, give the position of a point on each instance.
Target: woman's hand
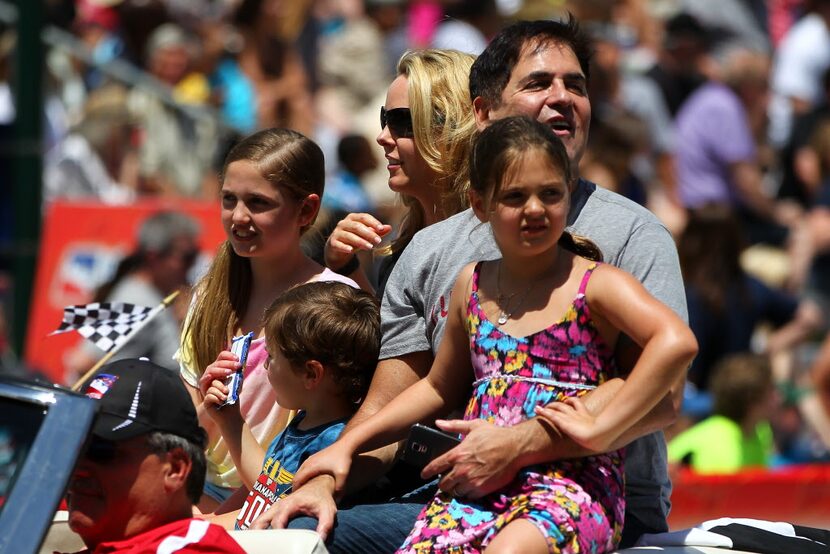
(354, 232)
(336, 460)
(212, 382)
(572, 418)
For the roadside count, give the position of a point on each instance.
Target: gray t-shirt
(416, 300)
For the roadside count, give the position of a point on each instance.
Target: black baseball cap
(139, 397)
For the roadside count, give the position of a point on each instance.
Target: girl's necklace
(504, 300)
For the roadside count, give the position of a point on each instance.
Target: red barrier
(80, 245)
(799, 494)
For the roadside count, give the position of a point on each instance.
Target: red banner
(81, 245)
(799, 494)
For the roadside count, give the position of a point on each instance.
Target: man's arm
(478, 466)
(748, 182)
(392, 377)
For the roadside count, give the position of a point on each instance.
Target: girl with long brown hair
(272, 182)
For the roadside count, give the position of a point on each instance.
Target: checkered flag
(106, 324)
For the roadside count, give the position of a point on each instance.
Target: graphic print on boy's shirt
(283, 458)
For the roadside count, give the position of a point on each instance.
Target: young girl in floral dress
(534, 331)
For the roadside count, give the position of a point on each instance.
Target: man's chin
(83, 515)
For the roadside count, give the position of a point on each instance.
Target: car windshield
(19, 424)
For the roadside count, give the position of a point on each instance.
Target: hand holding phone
(425, 444)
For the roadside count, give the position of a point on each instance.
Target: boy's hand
(212, 382)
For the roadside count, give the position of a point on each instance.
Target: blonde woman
(426, 128)
(272, 182)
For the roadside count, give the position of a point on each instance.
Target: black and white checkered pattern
(106, 324)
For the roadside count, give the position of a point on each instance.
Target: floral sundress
(576, 504)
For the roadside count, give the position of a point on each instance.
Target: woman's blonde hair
(444, 124)
(288, 160)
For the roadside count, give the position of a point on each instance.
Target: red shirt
(185, 536)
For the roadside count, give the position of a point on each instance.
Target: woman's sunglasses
(399, 121)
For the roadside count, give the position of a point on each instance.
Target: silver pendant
(502, 318)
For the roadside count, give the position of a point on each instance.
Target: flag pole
(108, 356)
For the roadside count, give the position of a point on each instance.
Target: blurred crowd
(713, 114)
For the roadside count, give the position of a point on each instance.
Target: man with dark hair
(144, 467)
(538, 69)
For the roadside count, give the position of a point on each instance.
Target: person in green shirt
(738, 434)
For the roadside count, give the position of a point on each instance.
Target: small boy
(738, 435)
(323, 340)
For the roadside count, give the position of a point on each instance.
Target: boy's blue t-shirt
(283, 458)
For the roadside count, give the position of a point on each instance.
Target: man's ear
(313, 374)
(178, 466)
(481, 109)
(478, 205)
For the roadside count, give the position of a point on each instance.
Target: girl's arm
(444, 388)
(246, 452)
(668, 348)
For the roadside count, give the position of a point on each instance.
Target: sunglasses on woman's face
(399, 121)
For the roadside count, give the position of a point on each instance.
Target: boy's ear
(477, 204)
(313, 374)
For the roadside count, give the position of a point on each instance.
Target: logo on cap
(100, 385)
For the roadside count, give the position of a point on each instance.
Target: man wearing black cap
(144, 467)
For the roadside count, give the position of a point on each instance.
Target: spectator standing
(682, 61)
(717, 158)
(177, 147)
(97, 160)
(263, 83)
(726, 305)
(800, 61)
(345, 192)
(166, 249)
(467, 26)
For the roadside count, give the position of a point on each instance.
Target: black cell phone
(425, 444)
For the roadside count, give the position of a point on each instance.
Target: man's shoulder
(607, 208)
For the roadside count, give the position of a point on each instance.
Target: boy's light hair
(332, 323)
(738, 382)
